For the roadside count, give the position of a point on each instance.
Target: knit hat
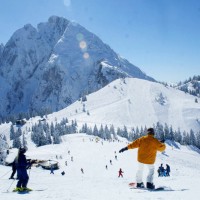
(22, 150)
(150, 131)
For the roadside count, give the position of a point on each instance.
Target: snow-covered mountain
(97, 183)
(191, 86)
(135, 102)
(49, 67)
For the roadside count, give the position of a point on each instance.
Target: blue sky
(161, 37)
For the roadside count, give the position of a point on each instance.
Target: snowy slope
(97, 183)
(135, 102)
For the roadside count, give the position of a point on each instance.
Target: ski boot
(25, 189)
(150, 186)
(18, 189)
(140, 185)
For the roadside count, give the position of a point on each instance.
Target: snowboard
(133, 186)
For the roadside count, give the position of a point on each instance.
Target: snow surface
(135, 102)
(97, 183)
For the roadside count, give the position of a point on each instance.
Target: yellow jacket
(147, 148)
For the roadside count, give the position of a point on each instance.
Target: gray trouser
(139, 174)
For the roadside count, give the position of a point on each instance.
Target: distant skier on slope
(120, 173)
(147, 149)
(167, 170)
(51, 170)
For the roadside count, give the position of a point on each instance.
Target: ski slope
(134, 102)
(97, 183)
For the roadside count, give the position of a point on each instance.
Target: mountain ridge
(49, 67)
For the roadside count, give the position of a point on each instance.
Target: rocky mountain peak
(53, 65)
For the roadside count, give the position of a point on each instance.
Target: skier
(167, 170)
(161, 170)
(111, 162)
(22, 165)
(106, 167)
(120, 173)
(63, 173)
(51, 170)
(147, 149)
(82, 171)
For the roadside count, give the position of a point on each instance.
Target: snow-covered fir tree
(3, 148)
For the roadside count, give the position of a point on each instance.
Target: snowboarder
(147, 149)
(63, 173)
(21, 166)
(167, 170)
(120, 173)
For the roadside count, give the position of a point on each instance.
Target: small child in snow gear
(22, 165)
(147, 149)
(120, 173)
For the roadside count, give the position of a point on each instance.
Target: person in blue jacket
(22, 165)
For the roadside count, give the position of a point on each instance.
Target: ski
(24, 192)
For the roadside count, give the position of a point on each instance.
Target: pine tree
(159, 131)
(112, 132)
(95, 131)
(192, 138)
(107, 133)
(12, 132)
(24, 142)
(178, 136)
(3, 148)
(56, 138)
(101, 132)
(17, 142)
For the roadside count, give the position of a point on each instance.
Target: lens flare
(86, 55)
(79, 36)
(67, 3)
(82, 45)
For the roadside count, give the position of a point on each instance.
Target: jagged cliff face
(52, 66)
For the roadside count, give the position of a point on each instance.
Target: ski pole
(10, 185)
(5, 173)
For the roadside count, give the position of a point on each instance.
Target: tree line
(43, 133)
